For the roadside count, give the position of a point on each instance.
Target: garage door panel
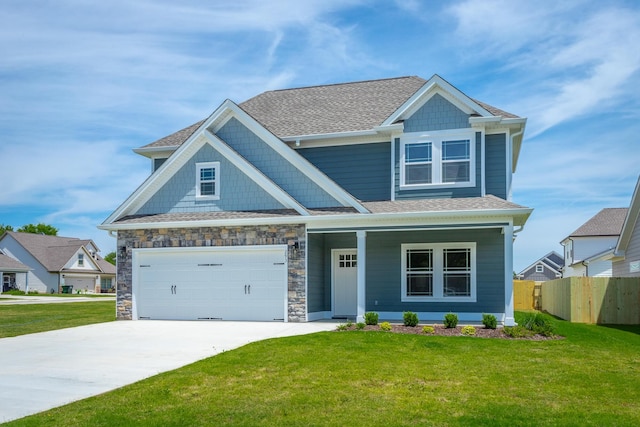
(218, 284)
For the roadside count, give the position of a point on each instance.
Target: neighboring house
(53, 262)
(549, 267)
(589, 250)
(13, 274)
(627, 260)
(327, 202)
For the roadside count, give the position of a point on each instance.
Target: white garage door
(239, 283)
(81, 283)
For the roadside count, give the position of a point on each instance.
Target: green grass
(375, 378)
(20, 319)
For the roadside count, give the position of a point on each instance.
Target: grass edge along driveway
(21, 319)
(336, 378)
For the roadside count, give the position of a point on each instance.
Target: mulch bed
(440, 330)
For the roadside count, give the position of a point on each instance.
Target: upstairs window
(80, 260)
(208, 180)
(539, 268)
(442, 159)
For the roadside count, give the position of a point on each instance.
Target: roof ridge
(336, 84)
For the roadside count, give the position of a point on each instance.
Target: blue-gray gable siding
(475, 191)
(273, 165)
(237, 191)
(496, 165)
(436, 114)
(384, 270)
(531, 274)
(360, 169)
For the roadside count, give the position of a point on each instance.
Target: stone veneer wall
(214, 237)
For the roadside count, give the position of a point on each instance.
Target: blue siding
(237, 191)
(384, 270)
(440, 192)
(496, 165)
(437, 114)
(278, 169)
(360, 169)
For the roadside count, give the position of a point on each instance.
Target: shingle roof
(344, 107)
(53, 252)
(607, 222)
(385, 207)
(9, 264)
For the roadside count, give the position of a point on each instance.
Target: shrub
(360, 326)
(468, 330)
(538, 324)
(385, 326)
(410, 318)
(349, 324)
(342, 327)
(371, 318)
(450, 320)
(489, 321)
(517, 331)
(428, 329)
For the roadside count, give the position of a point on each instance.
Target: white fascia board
(149, 152)
(254, 174)
(633, 213)
(334, 135)
(299, 162)
(436, 84)
(347, 221)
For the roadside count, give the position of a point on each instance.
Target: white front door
(345, 276)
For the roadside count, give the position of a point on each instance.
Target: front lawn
(20, 319)
(592, 377)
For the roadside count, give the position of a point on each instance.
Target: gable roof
(607, 222)
(630, 221)
(330, 109)
(9, 264)
(548, 261)
(53, 252)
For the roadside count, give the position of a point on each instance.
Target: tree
(111, 258)
(39, 229)
(4, 228)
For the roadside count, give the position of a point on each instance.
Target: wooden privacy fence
(602, 300)
(599, 300)
(526, 295)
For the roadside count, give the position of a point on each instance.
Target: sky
(83, 83)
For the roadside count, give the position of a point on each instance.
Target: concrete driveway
(49, 369)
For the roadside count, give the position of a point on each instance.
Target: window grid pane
(455, 150)
(457, 272)
(418, 152)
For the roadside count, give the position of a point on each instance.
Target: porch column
(361, 251)
(509, 319)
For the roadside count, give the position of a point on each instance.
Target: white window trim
(199, 167)
(438, 276)
(436, 138)
(539, 268)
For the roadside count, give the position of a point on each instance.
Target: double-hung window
(208, 180)
(434, 159)
(438, 272)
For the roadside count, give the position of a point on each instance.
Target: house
(13, 274)
(48, 263)
(549, 267)
(627, 253)
(589, 250)
(325, 202)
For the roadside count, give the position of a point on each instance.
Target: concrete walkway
(34, 299)
(49, 369)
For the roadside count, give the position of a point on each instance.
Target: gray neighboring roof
(549, 260)
(325, 109)
(8, 264)
(53, 252)
(607, 222)
(485, 203)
